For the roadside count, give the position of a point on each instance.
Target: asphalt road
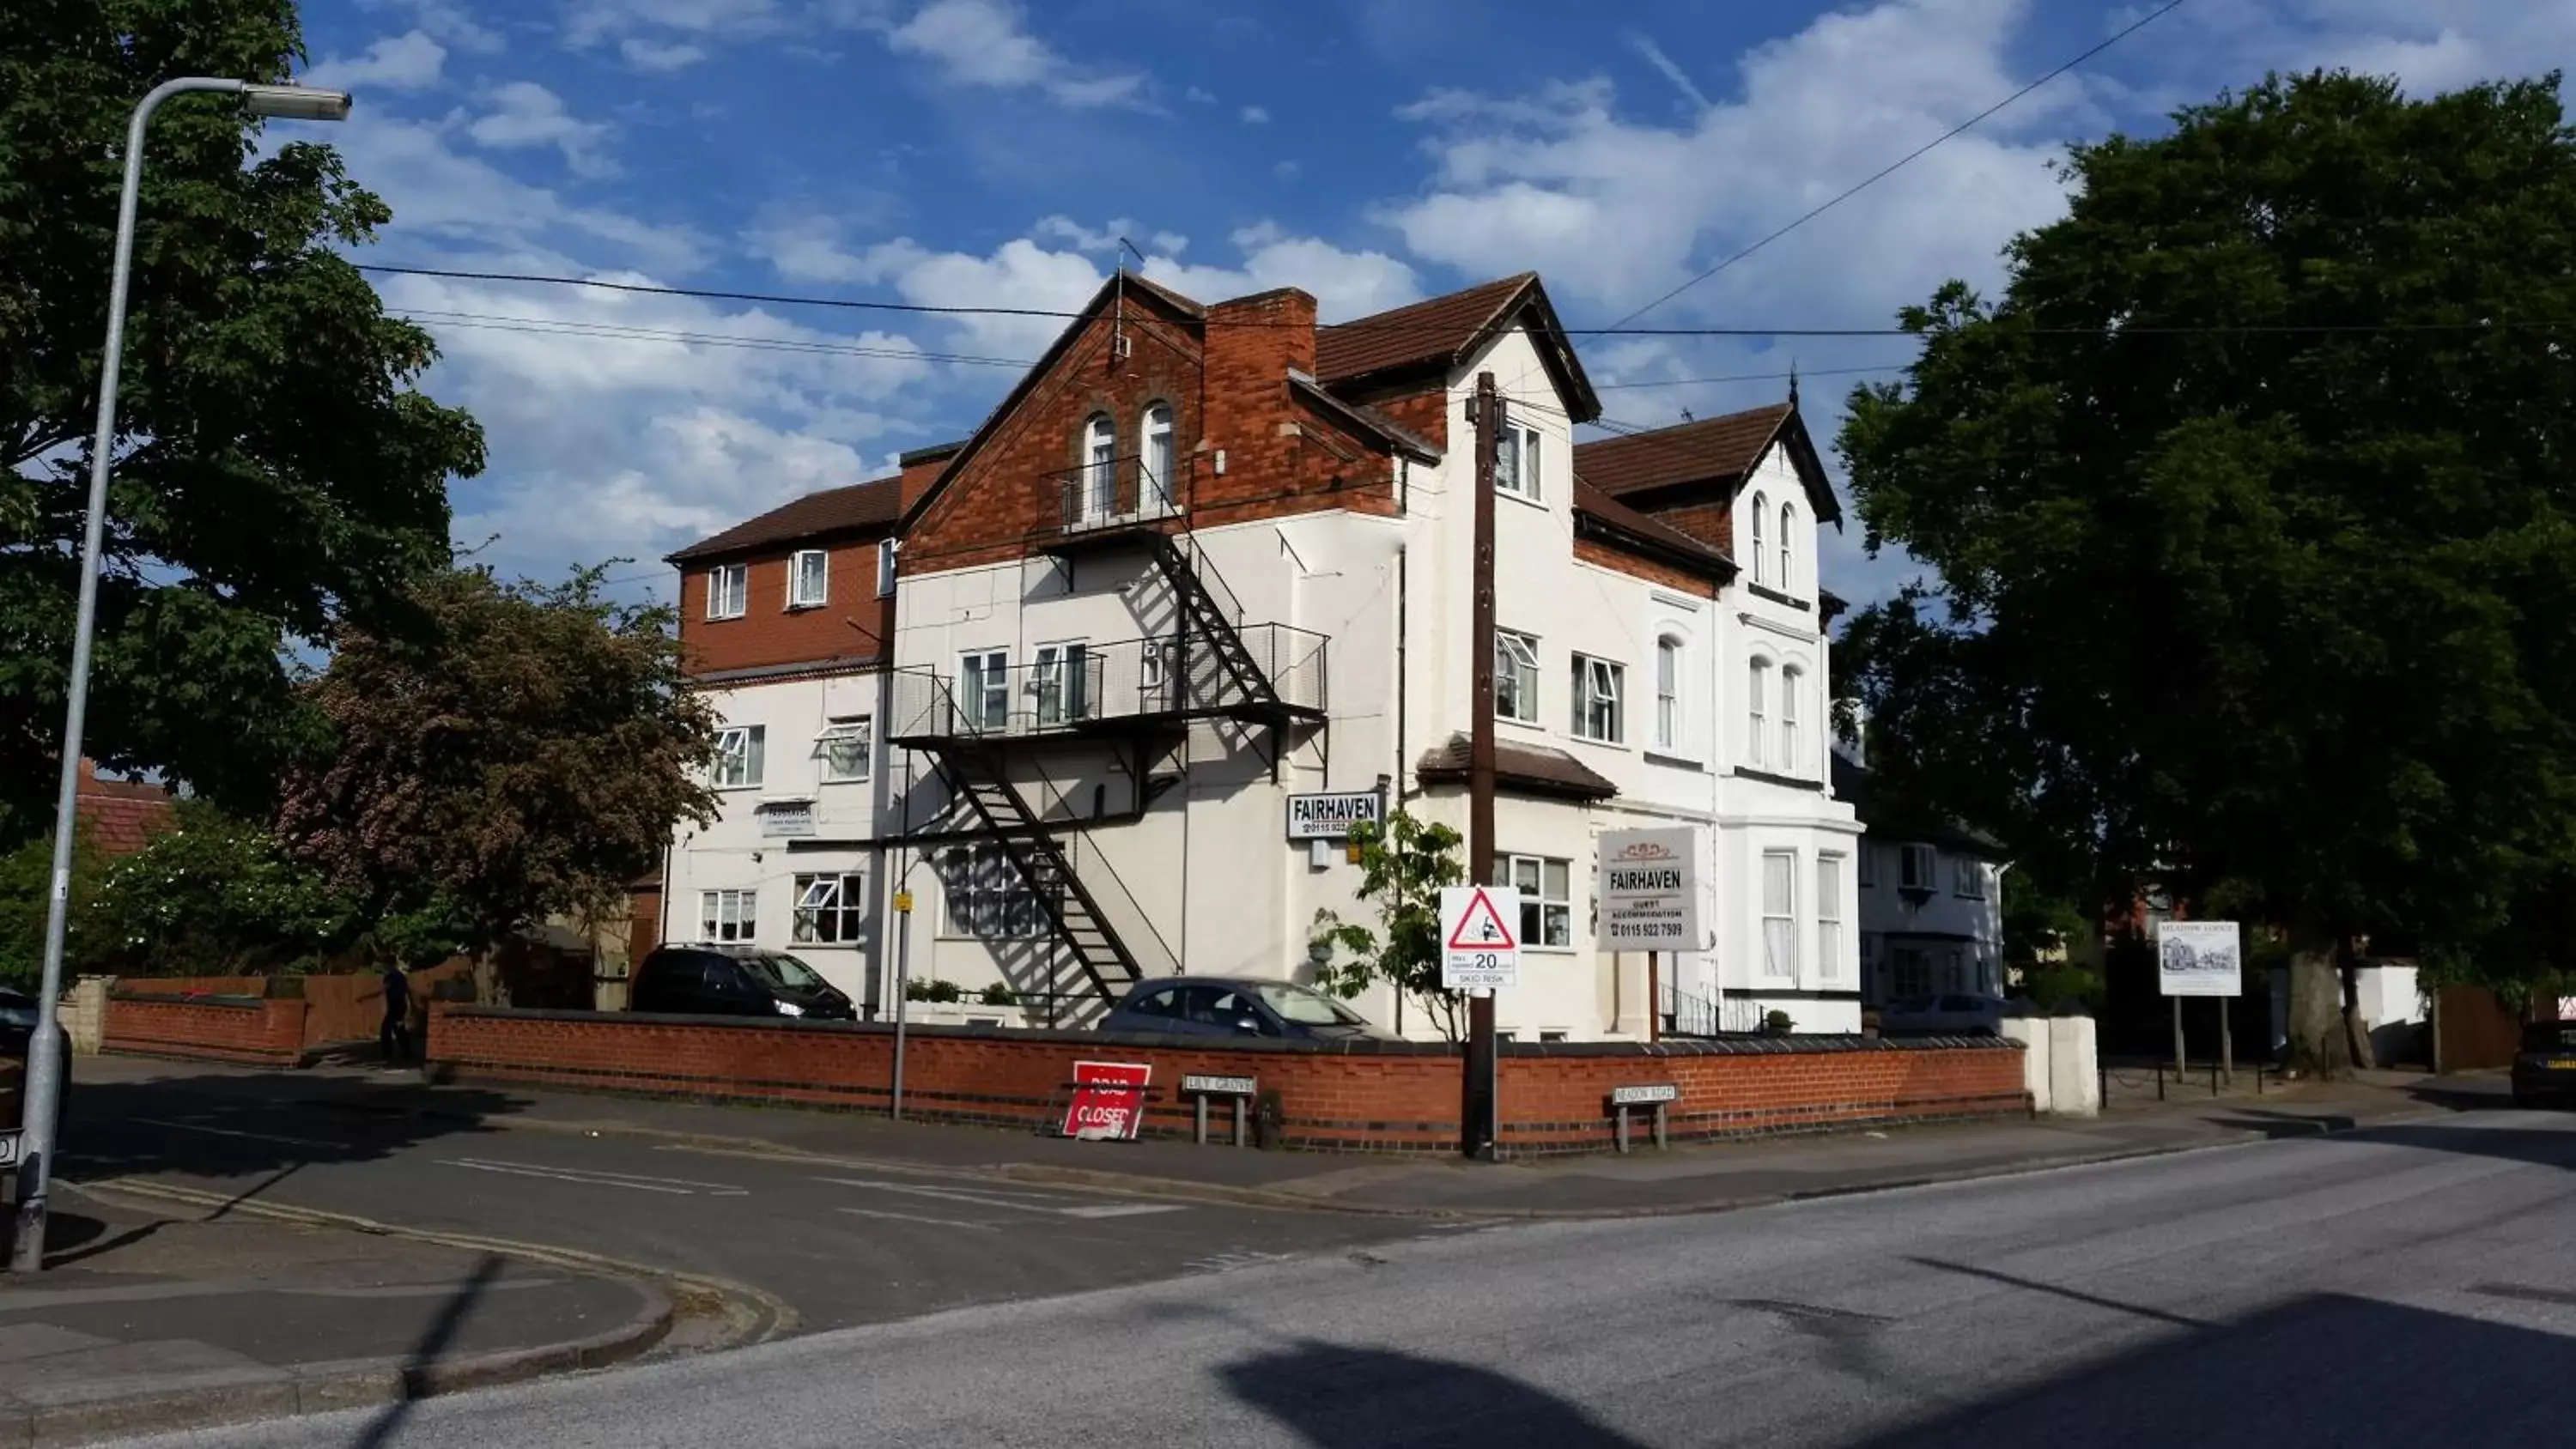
(841, 1244)
(2409, 1286)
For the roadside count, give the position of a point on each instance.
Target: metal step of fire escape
(976, 776)
(1205, 619)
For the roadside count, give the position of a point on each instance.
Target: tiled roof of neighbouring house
(848, 509)
(1596, 504)
(1442, 332)
(122, 816)
(1711, 448)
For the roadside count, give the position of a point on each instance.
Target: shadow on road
(420, 1367)
(1335, 1397)
(2323, 1370)
(255, 1130)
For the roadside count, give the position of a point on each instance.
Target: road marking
(591, 1177)
(919, 1218)
(1003, 1199)
(237, 1132)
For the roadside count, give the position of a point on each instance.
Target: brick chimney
(1253, 343)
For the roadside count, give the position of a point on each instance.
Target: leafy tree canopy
(2249, 503)
(276, 474)
(525, 751)
(1403, 865)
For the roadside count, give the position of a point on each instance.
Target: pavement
(153, 1317)
(2402, 1284)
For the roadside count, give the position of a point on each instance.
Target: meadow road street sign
(1480, 946)
(1330, 817)
(1649, 891)
(2200, 958)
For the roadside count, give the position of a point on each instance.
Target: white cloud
(1344, 283)
(1285, 170)
(443, 198)
(527, 114)
(407, 62)
(589, 22)
(445, 23)
(2429, 48)
(659, 55)
(1256, 116)
(1198, 96)
(986, 43)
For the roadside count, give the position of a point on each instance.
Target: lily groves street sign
(1480, 946)
(1649, 891)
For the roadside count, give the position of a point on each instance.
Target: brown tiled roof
(1528, 769)
(872, 504)
(122, 816)
(1367, 419)
(1592, 502)
(1438, 330)
(1711, 448)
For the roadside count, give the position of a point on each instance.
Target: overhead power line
(1907, 159)
(1365, 324)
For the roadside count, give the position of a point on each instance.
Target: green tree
(276, 473)
(2250, 511)
(216, 896)
(25, 875)
(1402, 868)
(525, 751)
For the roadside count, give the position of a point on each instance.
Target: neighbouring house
(120, 817)
(1931, 901)
(1205, 559)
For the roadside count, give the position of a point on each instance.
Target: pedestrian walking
(395, 1038)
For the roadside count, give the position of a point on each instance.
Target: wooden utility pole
(1480, 1116)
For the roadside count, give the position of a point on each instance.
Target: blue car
(1234, 1006)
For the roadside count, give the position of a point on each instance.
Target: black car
(2544, 1072)
(734, 981)
(17, 1040)
(1236, 1007)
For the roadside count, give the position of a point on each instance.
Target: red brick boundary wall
(1346, 1097)
(248, 1029)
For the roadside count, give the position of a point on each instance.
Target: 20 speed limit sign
(1480, 946)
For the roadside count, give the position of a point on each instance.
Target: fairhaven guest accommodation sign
(1331, 816)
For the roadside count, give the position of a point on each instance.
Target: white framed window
(1793, 739)
(1918, 868)
(1515, 676)
(739, 756)
(1598, 689)
(1829, 918)
(1780, 912)
(1061, 682)
(1788, 547)
(1154, 459)
(885, 567)
(809, 579)
(1516, 462)
(984, 689)
(1761, 554)
(1968, 877)
(1868, 865)
(845, 748)
(1668, 693)
(728, 590)
(1757, 714)
(727, 915)
(987, 898)
(1099, 468)
(1546, 885)
(829, 909)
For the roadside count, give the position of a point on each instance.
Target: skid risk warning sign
(1480, 947)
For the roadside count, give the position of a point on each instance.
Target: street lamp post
(44, 1050)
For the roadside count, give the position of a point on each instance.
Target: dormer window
(1761, 555)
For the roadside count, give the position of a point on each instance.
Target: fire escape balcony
(1265, 674)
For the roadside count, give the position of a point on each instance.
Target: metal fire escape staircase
(1142, 693)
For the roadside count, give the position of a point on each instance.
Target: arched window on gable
(1788, 546)
(1757, 714)
(1099, 492)
(1154, 461)
(1761, 555)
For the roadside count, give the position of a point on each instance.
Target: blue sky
(990, 152)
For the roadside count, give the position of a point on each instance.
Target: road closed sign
(1649, 891)
(1108, 1100)
(1480, 945)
